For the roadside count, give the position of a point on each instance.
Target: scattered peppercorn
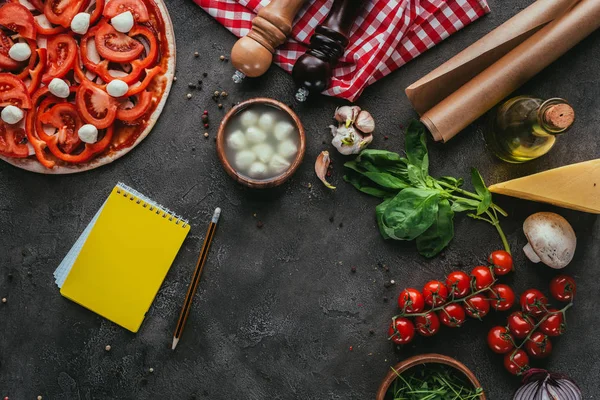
(220, 105)
(191, 85)
(351, 348)
(222, 58)
(385, 138)
(309, 185)
(196, 54)
(216, 93)
(39, 398)
(385, 299)
(393, 282)
(174, 79)
(341, 225)
(107, 348)
(386, 268)
(151, 370)
(353, 270)
(331, 219)
(199, 81)
(205, 134)
(29, 273)
(204, 118)
(324, 142)
(193, 149)
(4, 300)
(206, 125)
(189, 96)
(372, 331)
(205, 74)
(224, 94)
(259, 224)
(205, 112)
(10, 277)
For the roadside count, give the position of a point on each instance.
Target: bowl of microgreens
(430, 377)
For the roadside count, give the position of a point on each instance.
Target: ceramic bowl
(425, 359)
(260, 183)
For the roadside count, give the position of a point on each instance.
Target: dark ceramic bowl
(260, 183)
(425, 359)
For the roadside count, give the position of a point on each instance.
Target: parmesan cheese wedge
(575, 186)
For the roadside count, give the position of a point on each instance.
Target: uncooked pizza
(81, 81)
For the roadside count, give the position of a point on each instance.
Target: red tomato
(459, 284)
(16, 17)
(36, 72)
(61, 12)
(62, 52)
(13, 91)
(411, 301)
(116, 46)
(563, 288)
(502, 297)
(452, 315)
(66, 120)
(428, 325)
(553, 324)
(500, 340)
(143, 103)
(538, 345)
(533, 302)
(501, 261)
(516, 362)
(24, 74)
(401, 331)
(5, 61)
(520, 324)
(482, 277)
(13, 142)
(477, 306)
(137, 8)
(435, 292)
(42, 30)
(95, 106)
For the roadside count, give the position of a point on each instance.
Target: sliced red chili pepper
(36, 73)
(61, 12)
(97, 13)
(54, 30)
(143, 103)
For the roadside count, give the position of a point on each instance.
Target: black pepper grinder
(312, 71)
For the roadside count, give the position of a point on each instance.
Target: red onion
(539, 384)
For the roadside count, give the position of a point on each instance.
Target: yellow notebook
(120, 261)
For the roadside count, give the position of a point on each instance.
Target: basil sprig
(417, 206)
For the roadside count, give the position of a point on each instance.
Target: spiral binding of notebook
(64, 268)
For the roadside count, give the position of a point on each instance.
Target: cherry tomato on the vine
(500, 340)
(435, 292)
(554, 324)
(533, 302)
(482, 277)
(516, 362)
(563, 288)
(538, 345)
(459, 284)
(502, 297)
(427, 325)
(520, 324)
(501, 261)
(401, 331)
(411, 301)
(452, 315)
(477, 306)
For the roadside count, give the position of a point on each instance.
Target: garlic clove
(321, 167)
(346, 114)
(365, 122)
(348, 141)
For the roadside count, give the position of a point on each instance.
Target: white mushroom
(551, 239)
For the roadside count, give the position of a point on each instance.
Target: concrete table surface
(279, 314)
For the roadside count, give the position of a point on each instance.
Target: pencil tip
(175, 341)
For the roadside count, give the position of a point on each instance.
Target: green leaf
(379, 211)
(383, 179)
(463, 204)
(482, 190)
(409, 214)
(415, 175)
(452, 181)
(416, 147)
(366, 185)
(439, 235)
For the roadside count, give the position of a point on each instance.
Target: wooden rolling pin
(252, 55)
(312, 71)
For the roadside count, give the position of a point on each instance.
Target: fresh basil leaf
(381, 160)
(416, 147)
(482, 190)
(410, 213)
(383, 179)
(379, 211)
(415, 175)
(452, 181)
(439, 235)
(365, 185)
(463, 204)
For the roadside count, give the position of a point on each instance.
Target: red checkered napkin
(386, 35)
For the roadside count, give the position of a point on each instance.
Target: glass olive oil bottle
(525, 127)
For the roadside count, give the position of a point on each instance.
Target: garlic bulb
(349, 140)
(353, 132)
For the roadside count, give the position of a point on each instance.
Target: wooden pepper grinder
(252, 55)
(312, 71)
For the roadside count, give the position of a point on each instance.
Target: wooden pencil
(189, 297)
